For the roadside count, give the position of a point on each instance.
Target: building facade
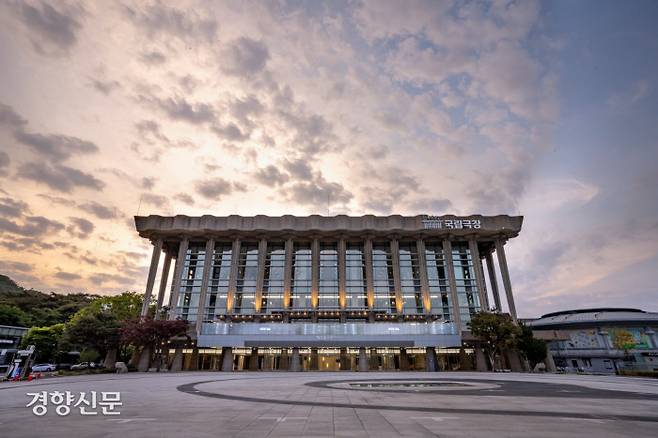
(604, 340)
(327, 293)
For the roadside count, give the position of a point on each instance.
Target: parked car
(44, 368)
(83, 366)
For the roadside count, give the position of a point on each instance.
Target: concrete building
(590, 340)
(10, 339)
(328, 293)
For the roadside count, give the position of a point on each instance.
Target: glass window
(275, 262)
(437, 278)
(328, 285)
(412, 301)
(383, 283)
(219, 276)
(355, 277)
(467, 293)
(300, 297)
(191, 279)
(245, 290)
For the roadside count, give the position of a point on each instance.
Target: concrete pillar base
(549, 362)
(514, 360)
(144, 360)
(430, 359)
(404, 360)
(177, 363)
(344, 360)
(253, 360)
(374, 360)
(295, 366)
(314, 359)
(110, 359)
(480, 360)
(284, 360)
(363, 359)
(465, 363)
(227, 359)
(194, 360)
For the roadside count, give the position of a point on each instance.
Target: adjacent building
(601, 340)
(328, 293)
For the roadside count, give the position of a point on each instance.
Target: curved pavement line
(190, 388)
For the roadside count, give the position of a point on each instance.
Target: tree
(46, 341)
(12, 315)
(533, 349)
(151, 334)
(497, 331)
(95, 330)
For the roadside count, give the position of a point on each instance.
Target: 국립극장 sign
(438, 223)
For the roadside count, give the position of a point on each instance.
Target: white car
(44, 368)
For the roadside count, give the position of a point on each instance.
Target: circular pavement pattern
(484, 388)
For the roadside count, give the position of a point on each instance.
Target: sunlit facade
(330, 293)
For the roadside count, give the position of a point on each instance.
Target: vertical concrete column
(253, 360)
(287, 273)
(363, 359)
(233, 276)
(314, 359)
(549, 362)
(493, 281)
(178, 275)
(404, 360)
(315, 273)
(227, 359)
(345, 364)
(395, 255)
(370, 284)
(374, 360)
(477, 268)
(424, 282)
(295, 360)
(484, 284)
(153, 270)
(504, 271)
(260, 280)
(447, 257)
(480, 360)
(430, 359)
(177, 363)
(284, 359)
(163, 284)
(342, 294)
(207, 263)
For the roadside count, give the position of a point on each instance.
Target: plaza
(345, 404)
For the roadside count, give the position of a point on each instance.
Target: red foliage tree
(149, 332)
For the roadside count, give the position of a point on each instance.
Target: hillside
(29, 307)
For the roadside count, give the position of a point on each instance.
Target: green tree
(12, 315)
(95, 330)
(46, 341)
(497, 331)
(533, 349)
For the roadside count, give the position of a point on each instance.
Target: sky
(543, 109)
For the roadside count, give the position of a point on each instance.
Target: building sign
(438, 223)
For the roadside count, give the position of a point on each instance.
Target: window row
(386, 296)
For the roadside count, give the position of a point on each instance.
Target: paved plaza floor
(345, 404)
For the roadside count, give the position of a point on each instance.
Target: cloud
(13, 208)
(104, 86)
(9, 117)
(184, 198)
(52, 28)
(436, 206)
(80, 227)
(215, 188)
(622, 100)
(299, 169)
(160, 20)
(56, 147)
(178, 108)
(148, 182)
(244, 57)
(31, 226)
(270, 176)
(317, 192)
(66, 276)
(58, 177)
(155, 200)
(101, 211)
(153, 57)
(6, 265)
(101, 278)
(230, 132)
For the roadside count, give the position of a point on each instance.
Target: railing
(330, 329)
